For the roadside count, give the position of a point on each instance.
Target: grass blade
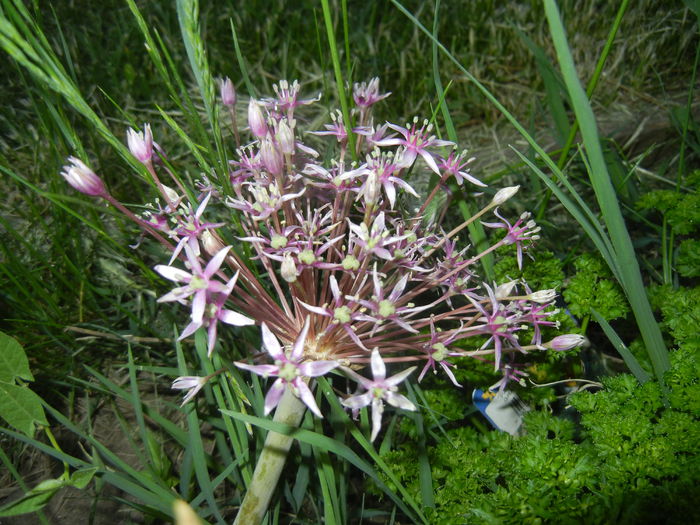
(630, 275)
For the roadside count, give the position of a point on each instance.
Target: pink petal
(317, 368)
(274, 395)
(198, 304)
(357, 402)
(315, 309)
(307, 397)
(261, 370)
(271, 344)
(211, 339)
(377, 411)
(430, 161)
(215, 262)
(189, 330)
(175, 295)
(298, 348)
(396, 379)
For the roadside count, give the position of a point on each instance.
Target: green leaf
(21, 408)
(13, 360)
(82, 478)
(33, 500)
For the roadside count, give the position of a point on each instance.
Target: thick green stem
(271, 462)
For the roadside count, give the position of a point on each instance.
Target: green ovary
(198, 283)
(288, 371)
(307, 257)
(278, 241)
(386, 308)
(351, 263)
(342, 314)
(440, 352)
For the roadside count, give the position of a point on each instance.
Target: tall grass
(65, 261)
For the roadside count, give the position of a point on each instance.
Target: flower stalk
(271, 462)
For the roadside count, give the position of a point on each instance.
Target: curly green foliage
(688, 258)
(680, 310)
(681, 210)
(633, 460)
(542, 273)
(594, 287)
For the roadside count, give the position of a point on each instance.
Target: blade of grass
(340, 83)
(631, 278)
(195, 438)
(592, 83)
(627, 356)
(188, 17)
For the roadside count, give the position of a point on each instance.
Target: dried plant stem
(271, 462)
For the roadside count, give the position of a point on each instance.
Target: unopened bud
(256, 119)
(566, 342)
(211, 243)
(285, 137)
(228, 92)
(141, 143)
(271, 156)
(371, 189)
(504, 290)
(83, 178)
(543, 296)
(504, 194)
(289, 269)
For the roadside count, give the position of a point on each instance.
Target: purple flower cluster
(349, 279)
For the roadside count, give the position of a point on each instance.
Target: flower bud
(228, 92)
(256, 119)
(83, 178)
(285, 137)
(271, 156)
(542, 296)
(141, 143)
(566, 342)
(289, 269)
(211, 243)
(504, 290)
(504, 194)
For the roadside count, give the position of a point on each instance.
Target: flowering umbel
(341, 278)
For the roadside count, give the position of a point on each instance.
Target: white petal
(173, 274)
(271, 343)
(378, 367)
(234, 318)
(399, 401)
(396, 379)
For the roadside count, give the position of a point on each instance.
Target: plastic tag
(503, 409)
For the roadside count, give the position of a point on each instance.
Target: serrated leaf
(33, 500)
(13, 360)
(21, 408)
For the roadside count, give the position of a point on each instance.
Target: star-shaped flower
(290, 369)
(378, 390)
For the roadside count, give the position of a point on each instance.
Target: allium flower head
(327, 260)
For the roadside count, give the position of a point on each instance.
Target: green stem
(271, 462)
